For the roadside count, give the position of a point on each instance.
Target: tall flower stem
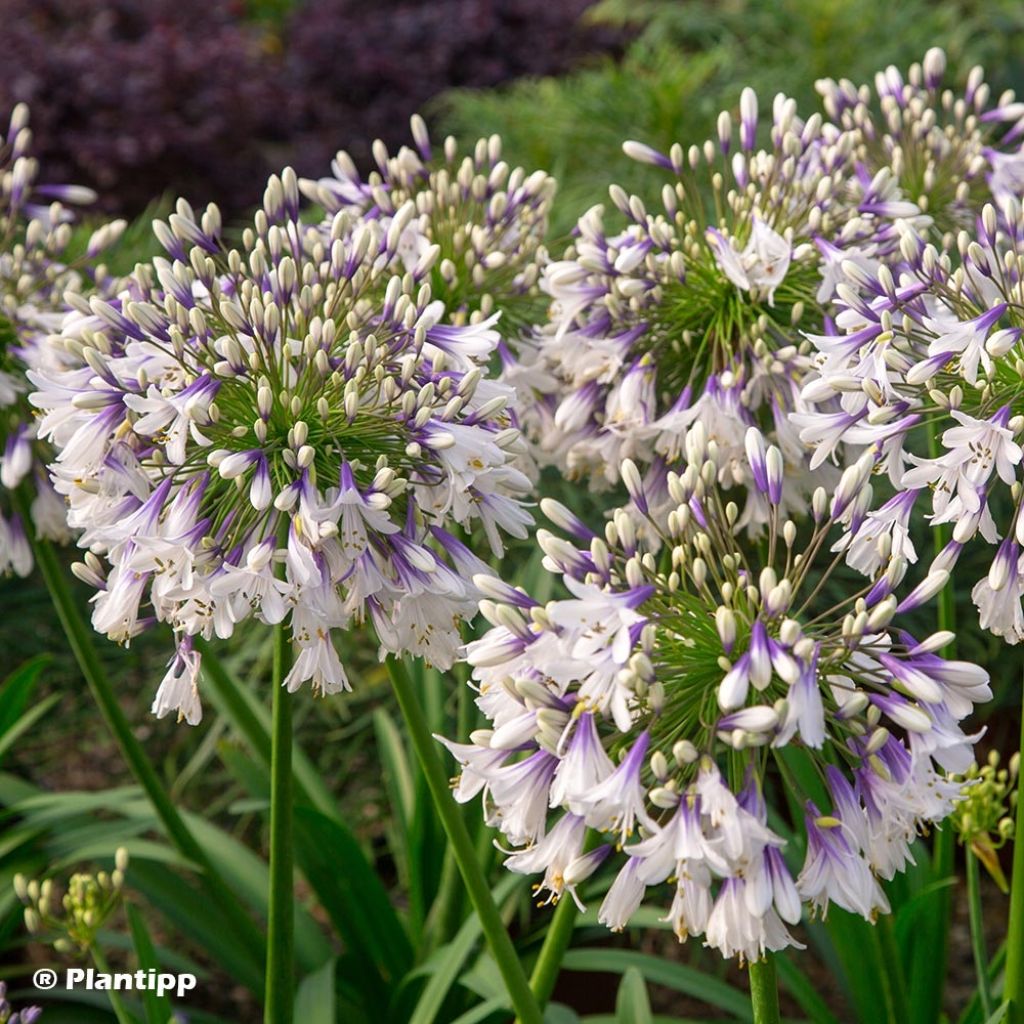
(523, 1002)
(79, 637)
(279, 1001)
(928, 967)
(1013, 984)
(764, 990)
(556, 942)
(116, 1003)
(978, 932)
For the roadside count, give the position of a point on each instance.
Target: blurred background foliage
(203, 98)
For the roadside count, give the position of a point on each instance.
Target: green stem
(928, 966)
(978, 932)
(764, 990)
(79, 637)
(556, 942)
(116, 1003)
(280, 996)
(1013, 984)
(504, 953)
(448, 909)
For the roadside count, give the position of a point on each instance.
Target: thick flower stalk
(487, 220)
(37, 269)
(932, 347)
(946, 151)
(659, 705)
(691, 313)
(290, 431)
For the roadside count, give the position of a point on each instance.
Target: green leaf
(16, 689)
(662, 972)
(25, 722)
(483, 1010)
(447, 963)
(611, 1018)
(802, 989)
(158, 1008)
(191, 913)
(999, 1015)
(314, 1000)
(397, 772)
(401, 789)
(631, 1003)
(344, 883)
(559, 1013)
(349, 889)
(251, 719)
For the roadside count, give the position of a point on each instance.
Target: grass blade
(314, 1000)
(450, 960)
(802, 989)
(632, 1006)
(676, 976)
(158, 1008)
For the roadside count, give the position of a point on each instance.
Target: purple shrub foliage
(358, 71)
(138, 98)
(192, 98)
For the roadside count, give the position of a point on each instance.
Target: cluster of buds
(289, 428)
(660, 704)
(37, 269)
(692, 313)
(984, 816)
(938, 146)
(481, 223)
(931, 348)
(88, 903)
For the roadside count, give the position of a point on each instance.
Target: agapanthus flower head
(37, 269)
(692, 312)
(486, 220)
(945, 152)
(926, 364)
(288, 430)
(661, 702)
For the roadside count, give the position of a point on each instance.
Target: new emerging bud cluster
(87, 904)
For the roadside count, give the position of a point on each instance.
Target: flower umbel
(37, 269)
(691, 313)
(289, 430)
(658, 705)
(480, 223)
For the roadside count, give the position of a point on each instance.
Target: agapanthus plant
(488, 221)
(289, 430)
(37, 268)
(671, 698)
(931, 350)
(692, 312)
(947, 152)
